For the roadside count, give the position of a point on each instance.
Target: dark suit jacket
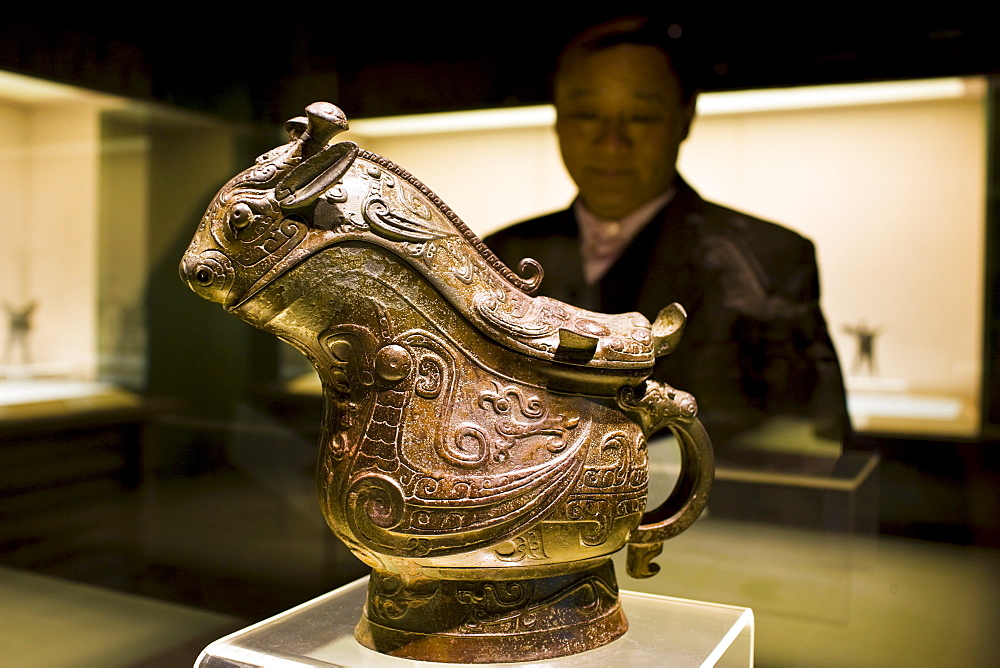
(756, 343)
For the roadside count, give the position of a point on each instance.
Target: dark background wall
(404, 57)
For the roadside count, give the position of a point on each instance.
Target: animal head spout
(259, 219)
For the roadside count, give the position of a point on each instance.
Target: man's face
(620, 122)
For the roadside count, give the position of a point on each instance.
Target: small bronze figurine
(18, 331)
(865, 356)
(484, 451)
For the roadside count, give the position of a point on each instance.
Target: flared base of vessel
(492, 621)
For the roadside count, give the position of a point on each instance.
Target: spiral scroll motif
(469, 448)
(377, 500)
(527, 266)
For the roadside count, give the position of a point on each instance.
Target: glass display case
(134, 417)
(100, 190)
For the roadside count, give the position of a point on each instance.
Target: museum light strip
(839, 95)
(32, 90)
(543, 115)
(709, 104)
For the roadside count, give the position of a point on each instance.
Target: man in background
(638, 238)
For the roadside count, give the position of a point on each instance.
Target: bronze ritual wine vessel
(483, 450)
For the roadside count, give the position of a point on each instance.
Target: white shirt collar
(603, 241)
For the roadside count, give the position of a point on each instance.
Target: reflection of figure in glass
(865, 356)
(18, 328)
(638, 237)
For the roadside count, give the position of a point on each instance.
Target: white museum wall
(892, 193)
(13, 161)
(50, 160)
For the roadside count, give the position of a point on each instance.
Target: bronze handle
(682, 507)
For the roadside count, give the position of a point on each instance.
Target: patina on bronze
(484, 450)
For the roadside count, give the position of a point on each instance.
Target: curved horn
(324, 121)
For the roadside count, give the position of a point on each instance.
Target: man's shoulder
(757, 231)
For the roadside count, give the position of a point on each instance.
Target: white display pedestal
(662, 631)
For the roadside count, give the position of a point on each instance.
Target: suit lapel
(657, 267)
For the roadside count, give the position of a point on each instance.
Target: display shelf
(836, 491)
(663, 631)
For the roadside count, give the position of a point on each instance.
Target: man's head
(623, 108)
